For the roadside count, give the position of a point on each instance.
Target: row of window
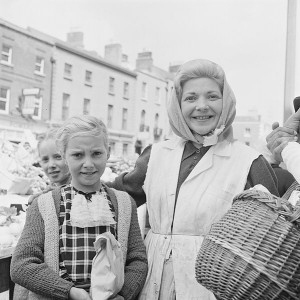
(66, 106)
(111, 85)
(112, 148)
(6, 58)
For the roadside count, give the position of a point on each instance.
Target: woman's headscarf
(202, 68)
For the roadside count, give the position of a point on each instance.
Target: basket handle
(279, 205)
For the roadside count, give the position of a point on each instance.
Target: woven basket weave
(253, 252)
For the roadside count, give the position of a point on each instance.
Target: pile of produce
(18, 175)
(121, 165)
(11, 226)
(38, 179)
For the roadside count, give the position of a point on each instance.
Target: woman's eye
(97, 153)
(190, 98)
(76, 155)
(213, 97)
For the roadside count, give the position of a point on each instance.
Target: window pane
(111, 85)
(157, 94)
(86, 106)
(2, 105)
(110, 116)
(124, 118)
(68, 69)
(88, 76)
(39, 64)
(6, 53)
(65, 106)
(144, 90)
(3, 93)
(125, 149)
(126, 90)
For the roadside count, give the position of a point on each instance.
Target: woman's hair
(199, 68)
(48, 135)
(80, 126)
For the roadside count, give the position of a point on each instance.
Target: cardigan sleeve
(291, 157)
(136, 267)
(261, 172)
(28, 268)
(133, 182)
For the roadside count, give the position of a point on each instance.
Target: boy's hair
(48, 135)
(83, 125)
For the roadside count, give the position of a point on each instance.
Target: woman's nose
(201, 105)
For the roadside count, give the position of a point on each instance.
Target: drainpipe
(52, 60)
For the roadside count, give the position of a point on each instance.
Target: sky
(246, 37)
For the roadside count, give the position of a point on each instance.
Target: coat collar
(223, 148)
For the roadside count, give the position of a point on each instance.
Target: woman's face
(201, 104)
(52, 162)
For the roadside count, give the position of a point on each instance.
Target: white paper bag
(107, 275)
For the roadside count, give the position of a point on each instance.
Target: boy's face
(86, 157)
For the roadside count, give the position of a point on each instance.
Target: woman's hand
(118, 297)
(278, 139)
(78, 294)
(32, 197)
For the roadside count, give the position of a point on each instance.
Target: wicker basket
(253, 252)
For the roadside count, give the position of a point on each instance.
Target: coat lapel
(220, 149)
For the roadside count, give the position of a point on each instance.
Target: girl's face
(52, 163)
(201, 104)
(86, 157)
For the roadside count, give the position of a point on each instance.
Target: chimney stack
(144, 61)
(113, 52)
(76, 39)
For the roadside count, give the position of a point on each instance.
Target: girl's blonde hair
(80, 126)
(48, 135)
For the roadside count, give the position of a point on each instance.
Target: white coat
(204, 197)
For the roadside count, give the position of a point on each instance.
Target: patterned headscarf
(202, 68)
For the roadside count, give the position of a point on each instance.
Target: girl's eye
(44, 160)
(58, 157)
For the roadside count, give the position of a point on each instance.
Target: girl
(51, 162)
(54, 255)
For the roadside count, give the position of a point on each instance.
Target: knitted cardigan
(35, 262)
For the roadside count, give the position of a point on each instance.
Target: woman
(190, 180)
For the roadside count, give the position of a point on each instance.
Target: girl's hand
(78, 294)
